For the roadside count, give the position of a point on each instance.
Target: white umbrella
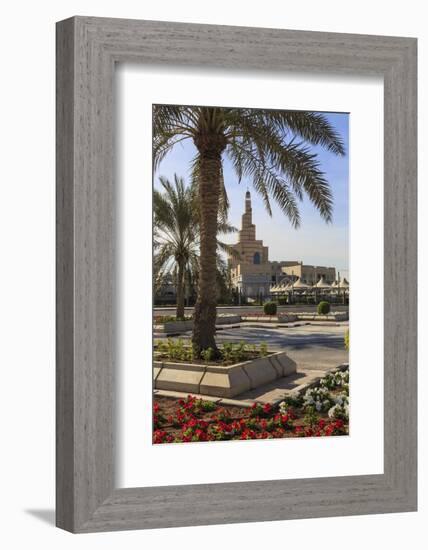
(322, 284)
(299, 285)
(344, 284)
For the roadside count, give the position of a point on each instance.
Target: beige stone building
(310, 274)
(252, 274)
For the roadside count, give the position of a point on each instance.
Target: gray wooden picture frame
(87, 50)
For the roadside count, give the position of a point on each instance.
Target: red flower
(267, 408)
(159, 436)
(329, 429)
(248, 434)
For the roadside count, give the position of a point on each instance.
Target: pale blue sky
(315, 242)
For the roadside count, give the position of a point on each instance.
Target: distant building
(252, 274)
(165, 292)
(310, 274)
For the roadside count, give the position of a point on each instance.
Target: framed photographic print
(236, 274)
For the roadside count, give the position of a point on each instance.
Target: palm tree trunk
(180, 291)
(205, 307)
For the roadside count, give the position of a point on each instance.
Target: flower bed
(320, 411)
(229, 353)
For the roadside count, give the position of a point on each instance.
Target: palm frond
(267, 146)
(312, 127)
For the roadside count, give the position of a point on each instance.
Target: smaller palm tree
(176, 237)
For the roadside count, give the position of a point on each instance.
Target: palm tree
(270, 148)
(174, 234)
(176, 237)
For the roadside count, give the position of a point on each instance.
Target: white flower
(341, 399)
(338, 411)
(332, 412)
(283, 407)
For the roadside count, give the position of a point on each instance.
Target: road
(314, 347)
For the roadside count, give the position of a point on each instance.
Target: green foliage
(323, 308)
(346, 340)
(234, 353)
(257, 142)
(336, 379)
(295, 401)
(227, 352)
(256, 410)
(230, 353)
(162, 319)
(207, 354)
(175, 350)
(176, 240)
(270, 308)
(207, 406)
(311, 417)
(263, 349)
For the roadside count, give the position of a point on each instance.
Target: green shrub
(263, 349)
(179, 350)
(346, 339)
(162, 319)
(323, 308)
(311, 417)
(295, 401)
(270, 308)
(207, 406)
(207, 354)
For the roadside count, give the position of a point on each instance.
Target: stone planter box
(222, 381)
(304, 316)
(174, 327)
(332, 316)
(341, 316)
(177, 327)
(227, 319)
(287, 317)
(263, 319)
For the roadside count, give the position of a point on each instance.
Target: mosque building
(253, 274)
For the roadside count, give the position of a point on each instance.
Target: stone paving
(315, 348)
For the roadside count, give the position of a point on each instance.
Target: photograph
(251, 280)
